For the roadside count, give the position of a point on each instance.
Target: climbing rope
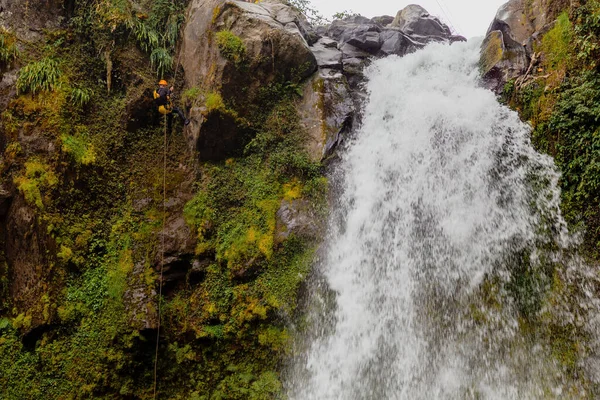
(162, 245)
(162, 251)
(459, 31)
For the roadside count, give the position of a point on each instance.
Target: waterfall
(443, 199)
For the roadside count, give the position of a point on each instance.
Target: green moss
(38, 177)
(557, 44)
(101, 209)
(492, 51)
(231, 46)
(79, 147)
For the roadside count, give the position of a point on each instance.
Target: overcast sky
(468, 17)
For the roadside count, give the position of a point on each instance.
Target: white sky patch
(467, 17)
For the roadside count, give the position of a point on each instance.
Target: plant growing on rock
(8, 48)
(231, 47)
(39, 76)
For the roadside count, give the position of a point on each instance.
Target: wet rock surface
(507, 52)
(332, 98)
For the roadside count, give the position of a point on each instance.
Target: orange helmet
(163, 82)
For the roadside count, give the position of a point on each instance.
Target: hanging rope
(162, 245)
(459, 31)
(162, 253)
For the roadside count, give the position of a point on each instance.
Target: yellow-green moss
(231, 46)
(493, 51)
(38, 178)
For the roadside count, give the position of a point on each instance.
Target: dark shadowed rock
(29, 271)
(396, 42)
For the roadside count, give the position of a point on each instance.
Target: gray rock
(414, 19)
(328, 42)
(502, 59)
(275, 50)
(285, 15)
(349, 51)
(365, 39)
(29, 19)
(522, 18)
(357, 19)
(326, 111)
(296, 217)
(327, 56)
(383, 20)
(396, 42)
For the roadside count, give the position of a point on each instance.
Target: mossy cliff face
(81, 199)
(557, 93)
(239, 55)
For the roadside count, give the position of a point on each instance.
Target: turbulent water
(444, 199)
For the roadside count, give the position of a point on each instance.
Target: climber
(162, 98)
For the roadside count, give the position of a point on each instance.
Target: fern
(147, 38)
(8, 49)
(39, 76)
(161, 60)
(80, 96)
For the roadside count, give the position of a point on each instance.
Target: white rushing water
(443, 195)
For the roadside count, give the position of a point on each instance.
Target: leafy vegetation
(97, 196)
(8, 47)
(39, 76)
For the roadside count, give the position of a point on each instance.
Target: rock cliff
(104, 203)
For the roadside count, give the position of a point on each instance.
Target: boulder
(511, 38)
(414, 19)
(274, 51)
(326, 110)
(286, 15)
(523, 17)
(327, 54)
(411, 29)
(396, 42)
(364, 36)
(502, 59)
(383, 20)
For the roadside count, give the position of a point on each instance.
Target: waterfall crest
(444, 197)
